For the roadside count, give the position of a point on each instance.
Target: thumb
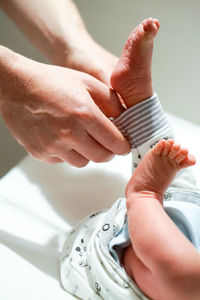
(105, 98)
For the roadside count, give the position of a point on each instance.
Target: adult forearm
(55, 27)
(8, 60)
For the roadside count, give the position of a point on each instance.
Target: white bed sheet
(39, 204)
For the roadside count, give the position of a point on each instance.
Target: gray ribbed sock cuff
(144, 125)
(143, 121)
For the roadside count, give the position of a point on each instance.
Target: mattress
(40, 203)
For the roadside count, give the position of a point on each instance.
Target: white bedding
(38, 205)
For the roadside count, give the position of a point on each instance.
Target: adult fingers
(81, 148)
(47, 159)
(59, 156)
(51, 160)
(71, 157)
(106, 133)
(74, 158)
(91, 149)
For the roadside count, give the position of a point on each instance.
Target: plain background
(176, 64)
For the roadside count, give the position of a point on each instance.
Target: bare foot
(158, 168)
(131, 77)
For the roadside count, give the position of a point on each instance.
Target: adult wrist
(65, 48)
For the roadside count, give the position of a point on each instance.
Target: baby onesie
(90, 266)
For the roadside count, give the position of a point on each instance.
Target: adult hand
(52, 112)
(57, 29)
(91, 58)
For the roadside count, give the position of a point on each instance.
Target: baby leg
(160, 256)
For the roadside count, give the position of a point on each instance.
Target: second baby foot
(131, 77)
(158, 168)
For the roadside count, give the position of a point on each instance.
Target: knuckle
(48, 160)
(54, 160)
(75, 159)
(83, 113)
(41, 146)
(50, 148)
(66, 133)
(35, 155)
(33, 152)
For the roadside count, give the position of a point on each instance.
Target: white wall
(176, 65)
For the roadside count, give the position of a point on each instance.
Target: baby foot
(131, 77)
(158, 168)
